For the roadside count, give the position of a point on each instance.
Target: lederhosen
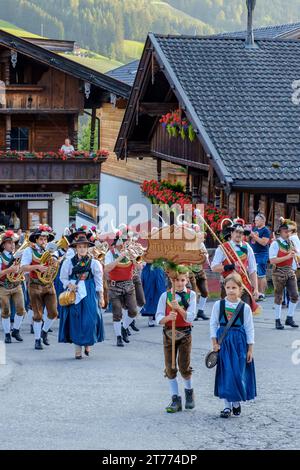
(183, 345)
(122, 291)
(10, 291)
(283, 275)
(41, 295)
(139, 291)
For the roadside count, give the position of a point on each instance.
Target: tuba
(53, 264)
(19, 277)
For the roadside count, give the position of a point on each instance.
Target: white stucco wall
(60, 213)
(123, 200)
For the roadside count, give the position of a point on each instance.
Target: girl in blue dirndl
(235, 374)
(82, 323)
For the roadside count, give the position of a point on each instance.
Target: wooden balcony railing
(49, 171)
(88, 208)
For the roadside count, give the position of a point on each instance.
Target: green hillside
(96, 62)
(12, 29)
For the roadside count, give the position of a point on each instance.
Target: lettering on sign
(177, 244)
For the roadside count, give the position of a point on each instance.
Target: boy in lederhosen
(121, 288)
(182, 310)
(282, 254)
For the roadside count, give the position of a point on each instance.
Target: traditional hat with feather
(43, 230)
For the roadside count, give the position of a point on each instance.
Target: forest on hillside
(102, 25)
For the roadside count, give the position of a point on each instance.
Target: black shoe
(189, 399)
(236, 411)
(44, 336)
(128, 332)
(226, 413)
(175, 405)
(7, 338)
(31, 330)
(120, 343)
(290, 322)
(16, 334)
(279, 325)
(124, 335)
(50, 330)
(133, 326)
(201, 315)
(38, 344)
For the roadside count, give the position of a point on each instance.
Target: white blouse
(248, 320)
(96, 268)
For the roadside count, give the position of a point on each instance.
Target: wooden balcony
(88, 209)
(50, 174)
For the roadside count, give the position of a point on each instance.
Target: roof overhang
(40, 54)
(201, 133)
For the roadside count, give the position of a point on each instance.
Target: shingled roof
(125, 73)
(265, 32)
(240, 100)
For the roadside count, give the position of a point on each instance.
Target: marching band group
(76, 278)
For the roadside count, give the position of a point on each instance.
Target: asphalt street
(115, 399)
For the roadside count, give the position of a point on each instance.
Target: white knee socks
(188, 384)
(202, 303)
(126, 320)
(173, 384)
(18, 321)
(47, 325)
(117, 328)
(6, 325)
(292, 308)
(277, 312)
(37, 328)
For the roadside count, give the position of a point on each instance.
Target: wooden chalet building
(42, 95)
(238, 96)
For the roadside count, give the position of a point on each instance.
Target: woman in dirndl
(235, 374)
(81, 323)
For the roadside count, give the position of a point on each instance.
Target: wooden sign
(177, 244)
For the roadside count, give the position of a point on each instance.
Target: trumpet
(134, 251)
(19, 276)
(53, 265)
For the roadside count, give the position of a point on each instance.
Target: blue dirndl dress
(154, 284)
(82, 324)
(235, 378)
(59, 288)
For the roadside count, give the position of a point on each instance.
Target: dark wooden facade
(42, 95)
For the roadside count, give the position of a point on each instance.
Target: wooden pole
(173, 328)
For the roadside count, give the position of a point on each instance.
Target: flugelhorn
(99, 251)
(134, 251)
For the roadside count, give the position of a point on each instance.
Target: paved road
(115, 399)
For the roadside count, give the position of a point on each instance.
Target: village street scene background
(118, 120)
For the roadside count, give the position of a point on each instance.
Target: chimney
(250, 36)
